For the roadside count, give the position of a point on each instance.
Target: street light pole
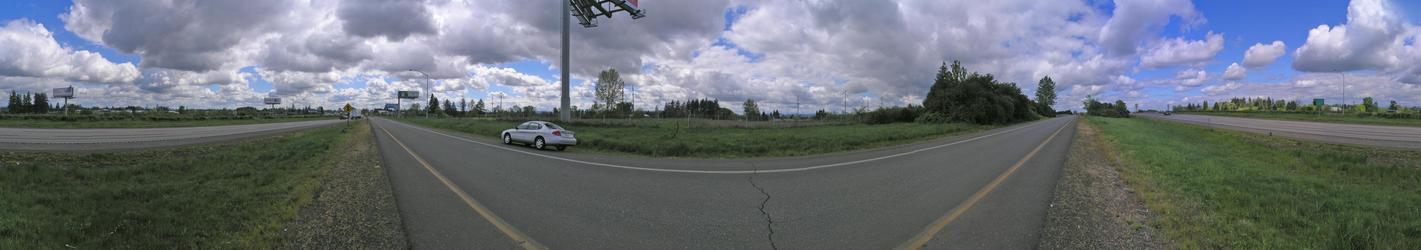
(565, 115)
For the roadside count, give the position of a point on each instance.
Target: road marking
(517, 236)
(932, 230)
(720, 171)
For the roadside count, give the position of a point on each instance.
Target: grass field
(233, 195)
(1335, 118)
(138, 123)
(720, 139)
(1222, 189)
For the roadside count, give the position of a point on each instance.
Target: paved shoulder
(1366, 135)
(32, 139)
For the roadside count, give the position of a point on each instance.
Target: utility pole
(426, 89)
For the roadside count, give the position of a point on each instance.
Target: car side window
(535, 126)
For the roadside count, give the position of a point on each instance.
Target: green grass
(140, 123)
(1325, 117)
(667, 137)
(1225, 189)
(234, 195)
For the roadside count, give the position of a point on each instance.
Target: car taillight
(557, 132)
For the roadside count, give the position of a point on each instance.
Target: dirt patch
(355, 208)
(1093, 208)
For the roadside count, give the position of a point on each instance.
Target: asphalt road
(1366, 135)
(983, 190)
(33, 139)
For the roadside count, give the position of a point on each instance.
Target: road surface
(986, 190)
(1365, 135)
(34, 139)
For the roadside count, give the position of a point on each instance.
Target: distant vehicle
(1165, 113)
(355, 115)
(344, 116)
(540, 135)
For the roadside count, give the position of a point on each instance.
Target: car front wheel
(538, 143)
(507, 139)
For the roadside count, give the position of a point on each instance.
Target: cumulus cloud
(393, 19)
(1178, 51)
(1134, 21)
(1190, 77)
(1260, 55)
(1368, 40)
(184, 35)
(28, 49)
(1235, 72)
(1221, 88)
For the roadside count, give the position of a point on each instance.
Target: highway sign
(66, 92)
(1318, 102)
(391, 106)
(348, 108)
(271, 100)
(409, 95)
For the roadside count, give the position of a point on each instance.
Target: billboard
(409, 95)
(1318, 102)
(66, 92)
(271, 100)
(392, 106)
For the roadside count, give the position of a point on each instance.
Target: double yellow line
(927, 234)
(517, 236)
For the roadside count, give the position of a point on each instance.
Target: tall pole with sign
(586, 12)
(66, 93)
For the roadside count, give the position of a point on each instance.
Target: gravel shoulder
(1093, 208)
(355, 207)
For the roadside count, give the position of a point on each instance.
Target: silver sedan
(540, 135)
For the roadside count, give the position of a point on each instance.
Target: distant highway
(1366, 135)
(984, 190)
(34, 139)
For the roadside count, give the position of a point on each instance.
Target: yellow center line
(517, 236)
(922, 238)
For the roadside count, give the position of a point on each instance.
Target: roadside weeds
(355, 207)
(1093, 207)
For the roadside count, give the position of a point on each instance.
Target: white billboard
(66, 92)
(271, 100)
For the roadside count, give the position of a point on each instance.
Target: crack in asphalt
(769, 221)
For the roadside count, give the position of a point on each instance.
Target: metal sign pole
(564, 116)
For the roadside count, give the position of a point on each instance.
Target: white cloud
(1134, 21)
(28, 49)
(1178, 51)
(1190, 77)
(1221, 88)
(1235, 72)
(1368, 40)
(1260, 55)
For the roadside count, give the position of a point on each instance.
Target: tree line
(961, 96)
(1240, 104)
(36, 103)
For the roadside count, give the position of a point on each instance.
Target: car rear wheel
(507, 139)
(538, 143)
(561, 148)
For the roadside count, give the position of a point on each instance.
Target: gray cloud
(393, 19)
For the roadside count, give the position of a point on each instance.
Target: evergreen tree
(1046, 97)
(26, 104)
(479, 108)
(433, 105)
(41, 105)
(14, 106)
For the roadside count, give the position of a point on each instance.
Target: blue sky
(731, 51)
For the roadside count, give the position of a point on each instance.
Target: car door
(521, 132)
(532, 131)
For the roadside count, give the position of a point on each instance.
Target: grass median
(1323, 117)
(671, 138)
(1225, 189)
(233, 195)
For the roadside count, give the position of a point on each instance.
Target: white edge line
(722, 171)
